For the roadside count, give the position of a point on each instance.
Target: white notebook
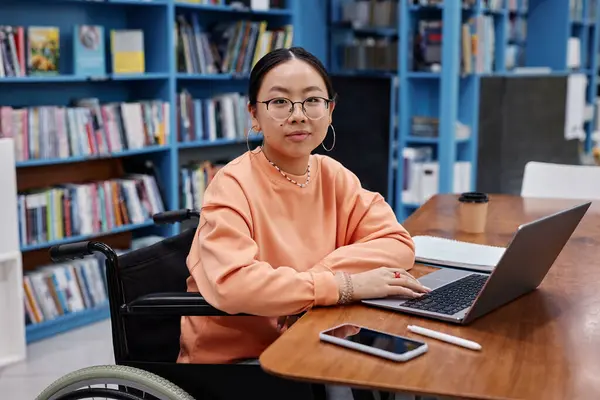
(452, 253)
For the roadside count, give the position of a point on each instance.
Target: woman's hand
(384, 282)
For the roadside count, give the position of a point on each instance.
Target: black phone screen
(367, 337)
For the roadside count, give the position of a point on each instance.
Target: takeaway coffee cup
(472, 212)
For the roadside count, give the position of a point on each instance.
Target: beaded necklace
(302, 185)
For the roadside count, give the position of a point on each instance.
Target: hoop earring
(247, 138)
(333, 145)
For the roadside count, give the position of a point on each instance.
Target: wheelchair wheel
(114, 382)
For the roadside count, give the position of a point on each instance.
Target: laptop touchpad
(442, 277)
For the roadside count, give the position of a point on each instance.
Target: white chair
(548, 180)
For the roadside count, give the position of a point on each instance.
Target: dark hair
(276, 57)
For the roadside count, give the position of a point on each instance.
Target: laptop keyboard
(451, 298)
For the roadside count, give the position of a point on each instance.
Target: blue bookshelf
(46, 329)
(79, 238)
(163, 80)
(77, 159)
(529, 37)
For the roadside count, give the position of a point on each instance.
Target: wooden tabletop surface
(545, 345)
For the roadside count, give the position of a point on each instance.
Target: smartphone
(381, 344)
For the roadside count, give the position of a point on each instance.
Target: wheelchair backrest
(158, 268)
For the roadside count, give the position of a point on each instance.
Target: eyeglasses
(280, 108)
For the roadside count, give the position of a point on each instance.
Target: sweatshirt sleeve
(223, 263)
(369, 234)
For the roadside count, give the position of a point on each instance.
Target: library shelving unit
(559, 22)
(364, 46)
(39, 110)
(443, 94)
(443, 49)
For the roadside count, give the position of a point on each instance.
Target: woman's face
(292, 133)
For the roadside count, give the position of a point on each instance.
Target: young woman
(282, 230)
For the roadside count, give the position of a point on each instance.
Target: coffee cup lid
(473, 197)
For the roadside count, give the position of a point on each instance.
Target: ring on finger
(407, 275)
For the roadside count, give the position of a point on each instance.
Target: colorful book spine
(89, 50)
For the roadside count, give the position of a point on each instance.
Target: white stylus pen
(444, 337)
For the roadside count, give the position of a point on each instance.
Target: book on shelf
(576, 9)
(465, 3)
(262, 5)
(427, 46)
(370, 54)
(512, 56)
(127, 51)
(227, 47)
(89, 57)
(445, 252)
(195, 178)
(223, 116)
(517, 28)
(428, 127)
(515, 5)
(64, 288)
(87, 128)
(13, 50)
(494, 5)
(370, 14)
(55, 213)
(478, 43)
(478, 36)
(574, 54)
(422, 175)
(43, 55)
(256, 5)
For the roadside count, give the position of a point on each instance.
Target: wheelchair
(147, 295)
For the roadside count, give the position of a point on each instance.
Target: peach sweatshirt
(267, 247)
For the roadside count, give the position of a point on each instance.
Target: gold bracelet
(347, 290)
(350, 287)
(341, 287)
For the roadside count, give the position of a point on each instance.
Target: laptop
(460, 296)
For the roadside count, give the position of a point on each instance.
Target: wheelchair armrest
(175, 304)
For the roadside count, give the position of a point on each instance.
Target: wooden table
(545, 345)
